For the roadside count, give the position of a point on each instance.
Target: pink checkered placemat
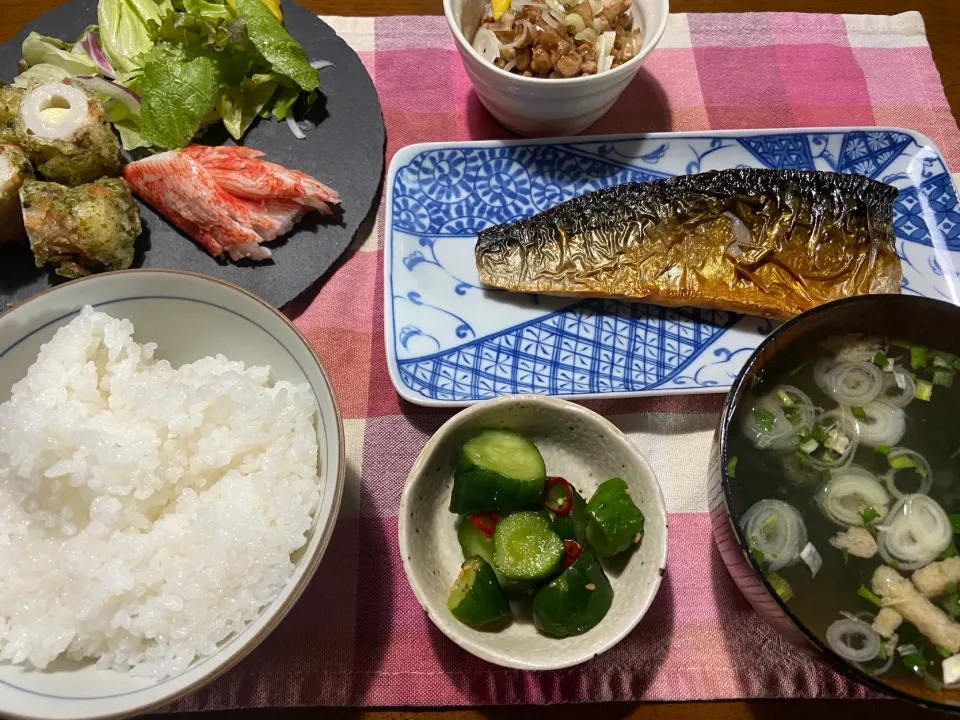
(357, 636)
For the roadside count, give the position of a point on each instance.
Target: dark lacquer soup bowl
(917, 321)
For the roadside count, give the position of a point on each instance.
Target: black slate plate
(344, 151)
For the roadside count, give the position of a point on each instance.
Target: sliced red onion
(114, 91)
(90, 44)
(294, 128)
(853, 640)
(321, 64)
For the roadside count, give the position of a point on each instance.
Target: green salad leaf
(239, 105)
(284, 54)
(178, 94)
(209, 9)
(127, 28)
(42, 73)
(38, 49)
(192, 62)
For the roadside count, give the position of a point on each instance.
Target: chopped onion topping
(850, 491)
(914, 533)
(854, 640)
(485, 42)
(321, 64)
(589, 35)
(575, 23)
(550, 20)
(775, 529)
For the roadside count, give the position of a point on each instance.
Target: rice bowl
(149, 511)
(235, 515)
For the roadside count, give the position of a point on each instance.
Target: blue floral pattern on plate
(450, 341)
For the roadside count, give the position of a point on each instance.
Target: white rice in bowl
(147, 513)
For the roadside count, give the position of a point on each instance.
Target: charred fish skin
(762, 242)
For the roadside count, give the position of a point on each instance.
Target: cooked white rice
(146, 513)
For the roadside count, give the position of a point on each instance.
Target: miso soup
(843, 464)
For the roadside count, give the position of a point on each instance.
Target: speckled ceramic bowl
(584, 448)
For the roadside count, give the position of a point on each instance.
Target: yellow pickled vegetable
(272, 5)
(499, 7)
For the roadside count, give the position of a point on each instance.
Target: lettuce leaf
(283, 102)
(41, 50)
(285, 55)
(239, 105)
(42, 73)
(126, 30)
(211, 9)
(177, 93)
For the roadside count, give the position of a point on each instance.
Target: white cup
(544, 107)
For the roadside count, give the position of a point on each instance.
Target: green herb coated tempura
(62, 129)
(86, 229)
(14, 170)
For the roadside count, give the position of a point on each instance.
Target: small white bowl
(189, 316)
(577, 444)
(537, 107)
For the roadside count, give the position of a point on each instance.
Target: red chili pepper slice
(486, 522)
(571, 552)
(562, 505)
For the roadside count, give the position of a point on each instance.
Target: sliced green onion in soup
(775, 529)
(903, 460)
(850, 491)
(915, 532)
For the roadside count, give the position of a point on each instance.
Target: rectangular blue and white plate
(451, 342)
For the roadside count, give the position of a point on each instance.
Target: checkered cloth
(357, 636)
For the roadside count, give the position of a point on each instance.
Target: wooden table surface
(942, 19)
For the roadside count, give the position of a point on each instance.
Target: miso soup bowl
(919, 320)
(537, 107)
